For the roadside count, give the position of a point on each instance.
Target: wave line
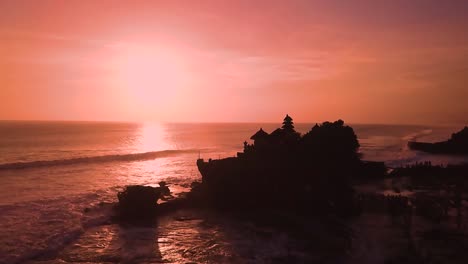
(95, 159)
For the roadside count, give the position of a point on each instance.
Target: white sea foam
(41, 228)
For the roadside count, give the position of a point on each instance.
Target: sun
(150, 75)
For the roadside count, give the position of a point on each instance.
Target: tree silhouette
(288, 124)
(332, 139)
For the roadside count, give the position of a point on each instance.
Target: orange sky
(363, 61)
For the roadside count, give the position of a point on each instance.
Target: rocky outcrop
(457, 144)
(284, 170)
(138, 201)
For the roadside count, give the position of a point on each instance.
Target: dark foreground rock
(138, 201)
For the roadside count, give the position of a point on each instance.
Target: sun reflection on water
(169, 163)
(152, 137)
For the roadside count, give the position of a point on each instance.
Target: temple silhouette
(285, 169)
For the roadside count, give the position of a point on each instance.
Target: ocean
(54, 177)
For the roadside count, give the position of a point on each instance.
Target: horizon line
(226, 122)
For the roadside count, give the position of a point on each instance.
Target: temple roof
(260, 134)
(278, 132)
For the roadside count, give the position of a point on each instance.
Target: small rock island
(457, 144)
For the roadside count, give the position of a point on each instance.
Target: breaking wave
(46, 226)
(415, 136)
(95, 159)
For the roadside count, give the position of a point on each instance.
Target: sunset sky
(207, 61)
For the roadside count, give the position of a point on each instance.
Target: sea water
(51, 173)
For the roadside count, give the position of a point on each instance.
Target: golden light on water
(151, 137)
